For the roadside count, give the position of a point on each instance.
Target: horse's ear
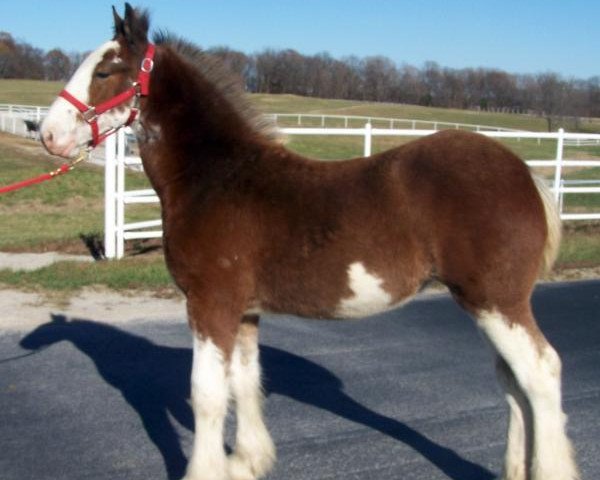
(134, 27)
(57, 319)
(119, 24)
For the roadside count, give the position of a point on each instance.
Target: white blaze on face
(368, 297)
(61, 131)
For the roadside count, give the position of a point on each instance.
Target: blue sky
(525, 36)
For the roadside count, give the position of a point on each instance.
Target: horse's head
(101, 81)
(47, 334)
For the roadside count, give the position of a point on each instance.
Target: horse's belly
(354, 292)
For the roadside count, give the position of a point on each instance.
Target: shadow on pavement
(154, 380)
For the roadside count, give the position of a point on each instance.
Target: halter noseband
(140, 88)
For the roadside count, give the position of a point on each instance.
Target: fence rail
(117, 231)
(326, 120)
(24, 111)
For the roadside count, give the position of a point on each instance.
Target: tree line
(21, 60)
(563, 102)
(560, 100)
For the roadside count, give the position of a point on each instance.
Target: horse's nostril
(47, 138)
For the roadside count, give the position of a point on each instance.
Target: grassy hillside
(297, 104)
(29, 92)
(32, 92)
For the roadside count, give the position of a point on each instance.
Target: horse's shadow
(154, 380)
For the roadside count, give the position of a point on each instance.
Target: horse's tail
(552, 221)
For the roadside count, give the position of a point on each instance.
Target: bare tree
(380, 78)
(551, 98)
(238, 63)
(57, 65)
(593, 97)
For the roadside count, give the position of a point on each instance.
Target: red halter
(140, 88)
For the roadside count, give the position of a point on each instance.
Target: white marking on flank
(368, 297)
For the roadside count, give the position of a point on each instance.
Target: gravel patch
(34, 261)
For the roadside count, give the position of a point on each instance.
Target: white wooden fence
(347, 121)
(117, 231)
(12, 118)
(24, 111)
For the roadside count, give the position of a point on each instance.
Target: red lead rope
(64, 168)
(90, 114)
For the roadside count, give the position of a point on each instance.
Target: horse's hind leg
(517, 460)
(536, 367)
(254, 453)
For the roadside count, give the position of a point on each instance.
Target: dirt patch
(566, 274)
(32, 147)
(23, 311)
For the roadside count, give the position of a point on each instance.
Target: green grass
(127, 274)
(29, 92)
(340, 147)
(577, 202)
(580, 245)
(54, 215)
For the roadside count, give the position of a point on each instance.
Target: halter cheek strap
(140, 88)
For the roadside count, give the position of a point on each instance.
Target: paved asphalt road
(407, 395)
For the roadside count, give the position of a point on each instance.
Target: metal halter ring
(90, 115)
(147, 65)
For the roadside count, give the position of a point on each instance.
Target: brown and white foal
(250, 227)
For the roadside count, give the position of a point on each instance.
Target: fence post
(109, 197)
(561, 198)
(368, 137)
(559, 158)
(120, 216)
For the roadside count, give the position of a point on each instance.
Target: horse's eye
(102, 74)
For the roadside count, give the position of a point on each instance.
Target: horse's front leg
(214, 328)
(254, 453)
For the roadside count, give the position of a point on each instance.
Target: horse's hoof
(244, 467)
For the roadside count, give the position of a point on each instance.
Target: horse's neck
(189, 132)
